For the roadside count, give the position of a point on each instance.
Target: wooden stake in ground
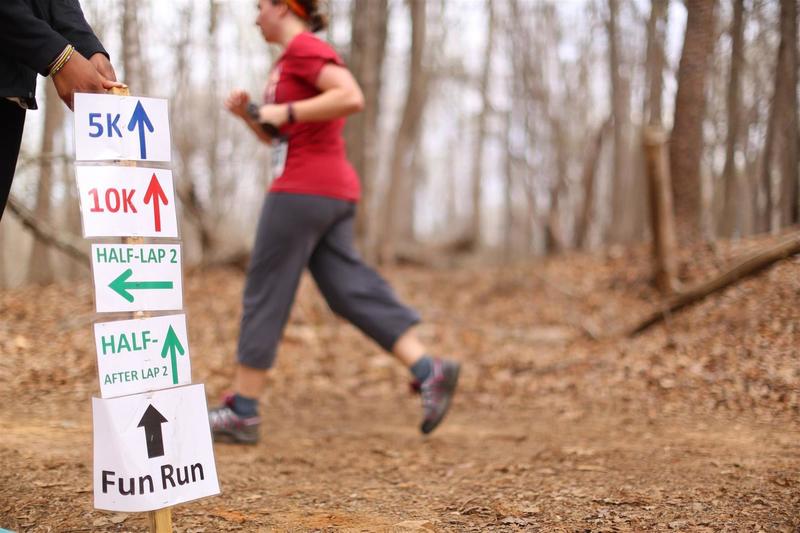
(661, 210)
(160, 521)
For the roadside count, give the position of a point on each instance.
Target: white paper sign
(152, 450)
(142, 355)
(126, 201)
(121, 127)
(137, 277)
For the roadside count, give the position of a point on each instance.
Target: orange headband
(298, 10)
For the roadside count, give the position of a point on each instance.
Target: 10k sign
(152, 450)
(137, 277)
(126, 201)
(111, 127)
(142, 355)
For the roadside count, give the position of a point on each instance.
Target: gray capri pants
(299, 230)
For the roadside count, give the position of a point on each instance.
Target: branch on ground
(60, 240)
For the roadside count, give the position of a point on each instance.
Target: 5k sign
(121, 127)
(126, 201)
(142, 355)
(137, 277)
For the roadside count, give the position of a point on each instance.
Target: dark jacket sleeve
(68, 20)
(27, 38)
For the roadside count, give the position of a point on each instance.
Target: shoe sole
(428, 426)
(227, 438)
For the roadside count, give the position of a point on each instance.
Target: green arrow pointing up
(121, 285)
(172, 345)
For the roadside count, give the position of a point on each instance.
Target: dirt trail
(692, 428)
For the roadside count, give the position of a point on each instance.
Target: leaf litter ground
(559, 424)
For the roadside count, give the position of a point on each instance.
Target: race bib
(280, 147)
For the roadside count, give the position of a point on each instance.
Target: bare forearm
(257, 130)
(329, 105)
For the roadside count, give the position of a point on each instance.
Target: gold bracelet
(65, 56)
(58, 59)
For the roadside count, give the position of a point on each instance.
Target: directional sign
(152, 450)
(142, 355)
(137, 277)
(121, 127)
(126, 201)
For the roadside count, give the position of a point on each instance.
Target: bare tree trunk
(686, 146)
(480, 134)
(368, 44)
(620, 110)
(508, 193)
(406, 133)
(730, 177)
(40, 269)
(656, 37)
(780, 146)
(589, 174)
(132, 57)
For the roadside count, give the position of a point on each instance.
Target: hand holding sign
(79, 75)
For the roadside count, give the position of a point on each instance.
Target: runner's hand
(236, 103)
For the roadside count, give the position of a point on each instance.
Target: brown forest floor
(692, 426)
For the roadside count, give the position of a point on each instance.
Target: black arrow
(151, 422)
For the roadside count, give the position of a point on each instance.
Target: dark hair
(316, 20)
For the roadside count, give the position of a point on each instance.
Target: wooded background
(504, 127)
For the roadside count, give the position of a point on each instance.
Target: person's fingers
(110, 84)
(103, 66)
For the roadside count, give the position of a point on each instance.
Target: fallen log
(750, 265)
(60, 240)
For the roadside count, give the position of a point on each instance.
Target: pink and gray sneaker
(227, 426)
(437, 392)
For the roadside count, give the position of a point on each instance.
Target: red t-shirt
(316, 162)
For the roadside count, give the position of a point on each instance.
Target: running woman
(307, 221)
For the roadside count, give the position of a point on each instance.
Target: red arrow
(155, 192)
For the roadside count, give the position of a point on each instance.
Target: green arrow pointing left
(121, 285)
(172, 344)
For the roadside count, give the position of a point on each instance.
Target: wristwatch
(252, 111)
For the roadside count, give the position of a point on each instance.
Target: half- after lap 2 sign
(126, 201)
(111, 127)
(142, 355)
(152, 450)
(137, 277)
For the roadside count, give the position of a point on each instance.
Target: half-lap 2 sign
(137, 277)
(152, 450)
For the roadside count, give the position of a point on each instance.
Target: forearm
(28, 38)
(329, 105)
(257, 130)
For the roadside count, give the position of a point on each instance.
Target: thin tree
(401, 162)
(369, 21)
(655, 61)
(686, 146)
(40, 269)
(780, 148)
(480, 134)
(730, 177)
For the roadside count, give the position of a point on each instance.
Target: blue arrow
(141, 119)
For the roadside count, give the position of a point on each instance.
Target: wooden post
(661, 210)
(160, 521)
